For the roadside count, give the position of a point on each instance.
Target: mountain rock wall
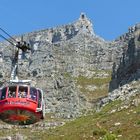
(74, 67)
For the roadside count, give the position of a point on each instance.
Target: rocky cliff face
(128, 68)
(74, 66)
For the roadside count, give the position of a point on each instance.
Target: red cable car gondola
(20, 103)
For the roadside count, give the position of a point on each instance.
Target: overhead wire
(8, 35)
(7, 40)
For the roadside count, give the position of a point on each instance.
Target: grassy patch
(92, 127)
(100, 84)
(81, 80)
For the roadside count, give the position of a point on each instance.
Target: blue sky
(110, 18)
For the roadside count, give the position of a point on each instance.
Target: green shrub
(109, 136)
(138, 122)
(99, 132)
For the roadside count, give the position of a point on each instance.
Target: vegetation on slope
(96, 86)
(117, 120)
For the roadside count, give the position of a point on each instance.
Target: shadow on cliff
(128, 68)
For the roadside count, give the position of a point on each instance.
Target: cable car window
(33, 94)
(3, 93)
(22, 92)
(39, 98)
(12, 92)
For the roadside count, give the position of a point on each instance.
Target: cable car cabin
(21, 104)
